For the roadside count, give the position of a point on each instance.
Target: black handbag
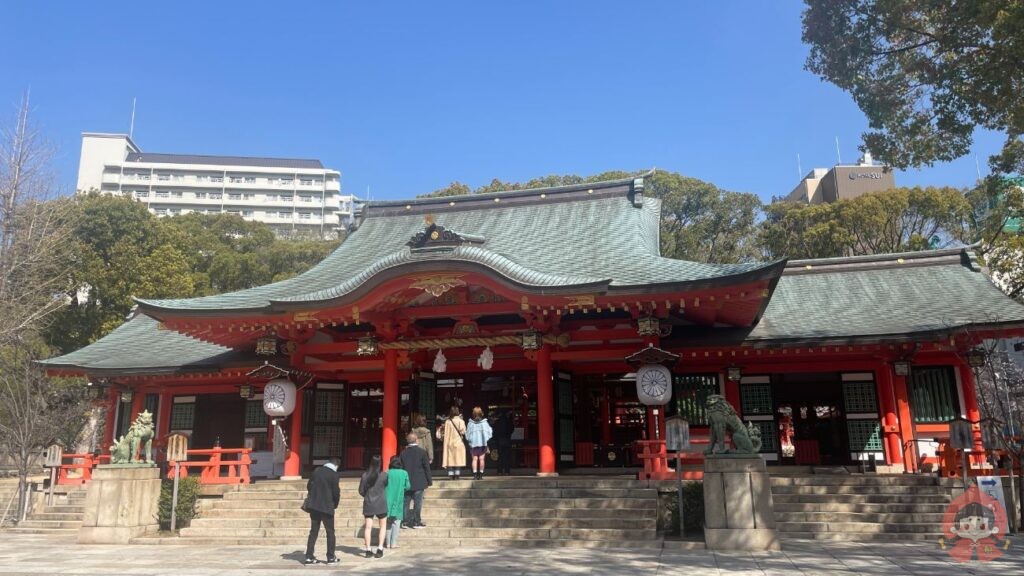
(305, 504)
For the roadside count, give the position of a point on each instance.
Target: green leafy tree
(925, 73)
(898, 220)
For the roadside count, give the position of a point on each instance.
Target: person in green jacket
(398, 483)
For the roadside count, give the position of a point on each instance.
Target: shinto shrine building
(836, 360)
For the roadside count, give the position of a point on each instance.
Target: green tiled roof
(593, 234)
(139, 346)
(883, 296)
(871, 298)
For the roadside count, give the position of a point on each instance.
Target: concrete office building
(295, 197)
(842, 182)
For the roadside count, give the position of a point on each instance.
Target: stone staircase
(63, 518)
(860, 507)
(494, 512)
(8, 501)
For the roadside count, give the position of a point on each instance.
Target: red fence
(76, 469)
(216, 469)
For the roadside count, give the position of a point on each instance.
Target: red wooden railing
(658, 462)
(81, 466)
(216, 469)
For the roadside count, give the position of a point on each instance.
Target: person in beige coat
(453, 457)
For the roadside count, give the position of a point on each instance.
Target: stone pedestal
(121, 504)
(738, 509)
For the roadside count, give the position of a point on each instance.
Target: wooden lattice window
(183, 416)
(756, 398)
(865, 435)
(691, 396)
(933, 396)
(860, 396)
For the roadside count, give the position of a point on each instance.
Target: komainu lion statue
(140, 436)
(723, 418)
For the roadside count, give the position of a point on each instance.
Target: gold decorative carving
(437, 284)
(581, 300)
(304, 316)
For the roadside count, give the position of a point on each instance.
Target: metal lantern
(266, 345)
(901, 368)
(734, 373)
(976, 358)
(245, 391)
(648, 326)
(127, 395)
(367, 346)
(531, 340)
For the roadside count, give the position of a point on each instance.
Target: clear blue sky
(405, 97)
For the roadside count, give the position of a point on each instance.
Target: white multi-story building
(294, 197)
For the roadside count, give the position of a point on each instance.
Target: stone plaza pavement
(32, 554)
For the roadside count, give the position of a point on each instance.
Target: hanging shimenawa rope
(441, 343)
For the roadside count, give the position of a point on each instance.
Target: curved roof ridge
(885, 257)
(511, 270)
(426, 201)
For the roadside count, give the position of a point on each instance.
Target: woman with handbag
(454, 434)
(478, 434)
(372, 487)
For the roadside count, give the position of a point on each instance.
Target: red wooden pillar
(113, 398)
(906, 422)
(163, 419)
(138, 403)
(545, 412)
(293, 462)
(971, 410)
(389, 440)
(732, 392)
(890, 422)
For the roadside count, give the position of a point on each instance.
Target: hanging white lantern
(486, 359)
(654, 384)
(440, 362)
(279, 398)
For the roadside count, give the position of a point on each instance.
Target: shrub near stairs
(188, 494)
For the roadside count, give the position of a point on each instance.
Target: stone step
(861, 498)
(856, 480)
(835, 507)
(50, 524)
(476, 492)
(429, 513)
(51, 531)
(859, 527)
(842, 489)
(440, 481)
(436, 532)
(859, 537)
(65, 509)
(543, 503)
(471, 522)
(885, 518)
(412, 544)
(57, 516)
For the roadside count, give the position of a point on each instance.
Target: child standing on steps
(398, 483)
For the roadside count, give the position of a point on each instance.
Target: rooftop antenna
(131, 127)
(799, 169)
(838, 157)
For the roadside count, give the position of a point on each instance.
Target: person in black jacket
(503, 439)
(373, 488)
(322, 499)
(417, 463)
